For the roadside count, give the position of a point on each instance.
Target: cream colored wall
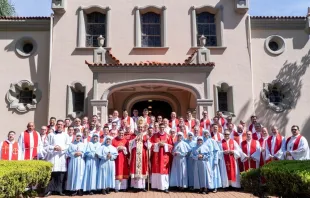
(292, 67)
(13, 69)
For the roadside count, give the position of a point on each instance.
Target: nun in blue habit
(201, 154)
(213, 161)
(106, 171)
(76, 165)
(190, 161)
(92, 164)
(178, 175)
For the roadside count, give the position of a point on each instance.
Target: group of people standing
(147, 152)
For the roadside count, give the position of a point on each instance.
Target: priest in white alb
(229, 155)
(275, 147)
(30, 144)
(297, 147)
(251, 148)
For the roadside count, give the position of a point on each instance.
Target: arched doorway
(155, 107)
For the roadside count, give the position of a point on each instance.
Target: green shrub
(283, 178)
(16, 176)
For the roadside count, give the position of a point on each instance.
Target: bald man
(30, 144)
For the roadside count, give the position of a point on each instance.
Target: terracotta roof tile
(278, 17)
(113, 57)
(148, 63)
(191, 56)
(18, 18)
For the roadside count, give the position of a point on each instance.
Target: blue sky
(257, 7)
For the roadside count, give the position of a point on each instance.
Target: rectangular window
(206, 26)
(78, 98)
(222, 101)
(26, 96)
(96, 26)
(150, 28)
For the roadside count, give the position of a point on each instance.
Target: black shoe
(62, 194)
(48, 194)
(104, 192)
(144, 190)
(74, 194)
(166, 191)
(116, 191)
(91, 193)
(80, 192)
(108, 191)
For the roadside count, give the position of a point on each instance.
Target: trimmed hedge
(16, 176)
(282, 178)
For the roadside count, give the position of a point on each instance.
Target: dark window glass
(273, 46)
(275, 96)
(78, 98)
(150, 28)
(25, 96)
(222, 100)
(206, 26)
(94, 28)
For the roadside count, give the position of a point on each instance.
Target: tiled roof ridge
(24, 18)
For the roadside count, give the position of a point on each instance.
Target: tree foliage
(6, 8)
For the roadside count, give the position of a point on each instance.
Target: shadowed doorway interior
(155, 107)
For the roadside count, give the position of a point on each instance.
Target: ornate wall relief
(277, 95)
(23, 96)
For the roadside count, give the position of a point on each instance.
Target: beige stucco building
(153, 56)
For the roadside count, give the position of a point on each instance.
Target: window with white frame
(223, 94)
(93, 21)
(95, 26)
(150, 29)
(208, 21)
(206, 26)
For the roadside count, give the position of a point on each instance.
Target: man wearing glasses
(297, 147)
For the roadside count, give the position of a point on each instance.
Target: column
(95, 91)
(104, 113)
(103, 106)
(107, 25)
(194, 27)
(137, 28)
(164, 27)
(81, 28)
(202, 105)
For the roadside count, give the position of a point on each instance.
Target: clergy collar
(30, 131)
(161, 133)
(295, 136)
(8, 141)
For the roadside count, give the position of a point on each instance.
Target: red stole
(218, 136)
(296, 143)
(277, 145)
(244, 147)
(128, 120)
(5, 154)
(121, 162)
(176, 122)
(192, 123)
(255, 136)
(101, 136)
(237, 137)
(202, 123)
(229, 160)
(148, 119)
(251, 127)
(27, 145)
(220, 128)
(223, 121)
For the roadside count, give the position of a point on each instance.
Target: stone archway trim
(169, 98)
(174, 83)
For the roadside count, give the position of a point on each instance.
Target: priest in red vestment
(205, 122)
(230, 153)
(252, 125)
(161, 159)
(173, 122)
(9, 148)
(251, 148)
(121, 162)
(146, 117)
(275, 148)
(239, 136)
(138, 148)
(297, 147)
(190, 121)
(263, 144)
(128, 121)
(30, 144)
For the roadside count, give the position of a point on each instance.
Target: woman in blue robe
(106, 171)
(178, 175)
(213, 161)
(76, 165)
(200, 155)
(92, 164)
(190, 169)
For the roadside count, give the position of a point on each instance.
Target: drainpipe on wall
(249, 41)
(50, 66)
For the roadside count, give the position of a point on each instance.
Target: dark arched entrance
(155, 107)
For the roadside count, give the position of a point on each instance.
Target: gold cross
(15, 151)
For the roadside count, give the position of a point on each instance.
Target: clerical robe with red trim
(121, 162)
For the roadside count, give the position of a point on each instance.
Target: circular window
(26, 46)
(275, 45)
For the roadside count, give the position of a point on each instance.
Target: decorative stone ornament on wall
(23, 96)
(275, 44)
(277, 95)
(26, 46)
(59, 6)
